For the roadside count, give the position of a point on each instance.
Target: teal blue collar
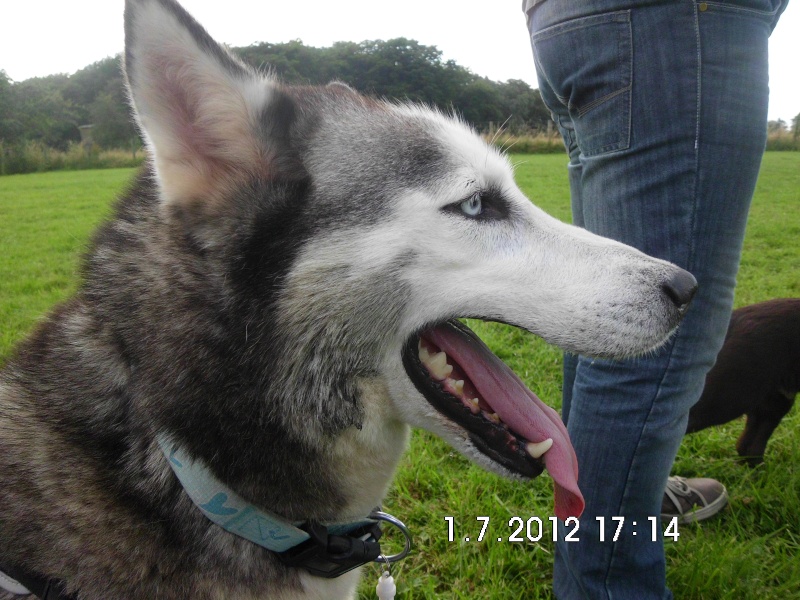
(226, 508)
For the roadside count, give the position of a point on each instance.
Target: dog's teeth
(457, 386)
(537, 449)
(437, 365)
(474, 406)
(493, 417)
(424, 355)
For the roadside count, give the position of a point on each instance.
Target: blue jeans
(662, 105)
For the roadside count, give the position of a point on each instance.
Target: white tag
(386, 589)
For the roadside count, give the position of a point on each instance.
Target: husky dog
(277, 295)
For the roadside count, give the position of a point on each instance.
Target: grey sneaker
(692, 499)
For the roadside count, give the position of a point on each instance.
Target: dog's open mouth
(458, 374)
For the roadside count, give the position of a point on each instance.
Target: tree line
(50, 109)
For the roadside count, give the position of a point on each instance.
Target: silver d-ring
(382, 516)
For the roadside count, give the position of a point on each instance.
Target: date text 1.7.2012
(535, 529)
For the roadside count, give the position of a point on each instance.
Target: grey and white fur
(251, 297)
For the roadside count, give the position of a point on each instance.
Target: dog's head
(359, 231)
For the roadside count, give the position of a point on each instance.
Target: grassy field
(749, 552)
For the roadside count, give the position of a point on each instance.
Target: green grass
(45, 223)
(749, 552)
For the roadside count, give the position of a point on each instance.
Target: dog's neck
(342, 478)
(365, 459)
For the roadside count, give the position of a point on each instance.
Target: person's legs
(663, 110)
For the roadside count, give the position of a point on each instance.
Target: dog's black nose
(680, 287)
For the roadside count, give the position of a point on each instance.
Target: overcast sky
(41, 37)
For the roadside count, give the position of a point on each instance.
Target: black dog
(757, 374)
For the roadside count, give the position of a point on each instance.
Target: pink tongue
(519, 408)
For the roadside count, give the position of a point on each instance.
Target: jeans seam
(744, 9)
(541, 73)
(634, 456)
(689, 262)
(699, 96)
(597, 102)
(616, 16)
(630, 80)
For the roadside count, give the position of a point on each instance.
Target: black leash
(38, 585)
(323, 554)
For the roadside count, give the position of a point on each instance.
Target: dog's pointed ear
(198, 107)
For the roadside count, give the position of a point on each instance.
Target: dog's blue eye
(472, 206)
